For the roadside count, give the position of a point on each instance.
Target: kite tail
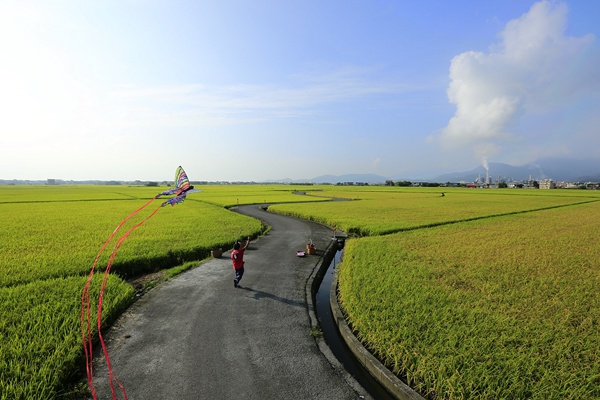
(111, 374)
(86, 322)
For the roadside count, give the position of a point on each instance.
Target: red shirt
(237, 256)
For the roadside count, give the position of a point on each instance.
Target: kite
(180, 191)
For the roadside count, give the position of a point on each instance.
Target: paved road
(198, 337)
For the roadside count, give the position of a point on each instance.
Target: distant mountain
(557, 169)
(365, 178)
(333, 179)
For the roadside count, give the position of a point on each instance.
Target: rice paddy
(474, 294)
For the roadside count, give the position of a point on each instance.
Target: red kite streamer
(182, 189)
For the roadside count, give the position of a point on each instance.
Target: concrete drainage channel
(356, 360)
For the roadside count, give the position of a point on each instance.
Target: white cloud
(535, 69)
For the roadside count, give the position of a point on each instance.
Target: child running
(237, 258)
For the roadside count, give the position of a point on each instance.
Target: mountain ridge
(554, 168)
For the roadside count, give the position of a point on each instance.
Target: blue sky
(257, 90)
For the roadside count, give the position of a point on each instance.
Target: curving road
(198, 337)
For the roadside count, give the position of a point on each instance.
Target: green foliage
(66, 236)
(506, 307)
(40, 333)
(404, 183)
(387, 211)
(234, 195)
(496, 298)
(476, 294)
(49, 239)
(171, 272)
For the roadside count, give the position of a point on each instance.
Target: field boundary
(437, 224)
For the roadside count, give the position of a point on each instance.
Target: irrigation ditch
(325, 314)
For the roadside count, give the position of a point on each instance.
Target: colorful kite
(180, 191)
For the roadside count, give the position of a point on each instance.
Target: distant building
(547, 184)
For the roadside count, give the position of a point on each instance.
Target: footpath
(198, 337)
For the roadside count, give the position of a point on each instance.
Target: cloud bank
(534, 69)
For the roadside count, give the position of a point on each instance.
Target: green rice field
(49, 238)
(384, 210)
(475, 294)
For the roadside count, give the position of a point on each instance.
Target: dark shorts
(239, 273)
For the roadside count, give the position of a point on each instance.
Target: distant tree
(152, 184)
(536, 184)
(403, 183)
(503, 185)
